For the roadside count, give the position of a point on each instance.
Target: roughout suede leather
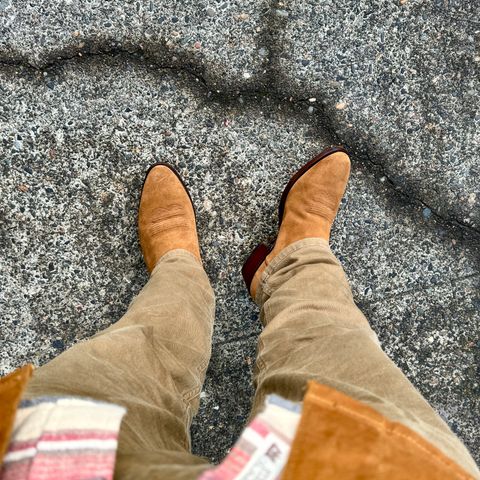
(11, 389)
(166, 218)
(311, 206)
(339, 438)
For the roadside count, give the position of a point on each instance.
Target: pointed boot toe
(166, 217)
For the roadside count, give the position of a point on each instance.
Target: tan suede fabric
(311, 206)
(339, 437)
(153, 360)
(11, 389)
(166, 219)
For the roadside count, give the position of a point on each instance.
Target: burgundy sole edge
(257, 257)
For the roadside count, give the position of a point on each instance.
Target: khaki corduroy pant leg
(314, 331)
(152, 362)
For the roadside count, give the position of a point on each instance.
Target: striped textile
(262, 450)
(63, 439)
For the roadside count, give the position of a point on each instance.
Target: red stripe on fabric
(15, 446)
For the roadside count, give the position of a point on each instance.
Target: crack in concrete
(379, 170)
(419, 288)
(226, 96)
(413, 198)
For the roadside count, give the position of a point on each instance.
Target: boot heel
(253, 263)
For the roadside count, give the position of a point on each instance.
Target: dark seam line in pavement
(419, 289)
(372, 166)
(414, 198)
(375, 167)
(236, 339)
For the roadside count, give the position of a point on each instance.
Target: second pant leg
(314, 331)
(153, 362)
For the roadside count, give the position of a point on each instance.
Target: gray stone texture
(399, 82)
(266, 87)
(216, 39)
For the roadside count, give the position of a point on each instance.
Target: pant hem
(178, 252)
(277, 262)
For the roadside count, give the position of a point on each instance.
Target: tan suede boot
(307, 209)
(166, 218)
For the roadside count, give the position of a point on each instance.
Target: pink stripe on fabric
(15, 471)
(259, 427)
(72, 467)
(79, 435)
(59, 466)
(63, 436)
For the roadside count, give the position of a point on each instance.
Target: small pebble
(311, 109)
(263, 52)
(210, 11)
(427, 213)
(23, 188)
(58, 344)
(243, 16)
(312, 100)
(207, 205)
(197, 45)
(282, 13)
(247, 75)
(341, 106)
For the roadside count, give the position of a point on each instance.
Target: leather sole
(259, 254)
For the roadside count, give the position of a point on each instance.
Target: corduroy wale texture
(153, 362)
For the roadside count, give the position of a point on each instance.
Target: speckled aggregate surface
(238, 95)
